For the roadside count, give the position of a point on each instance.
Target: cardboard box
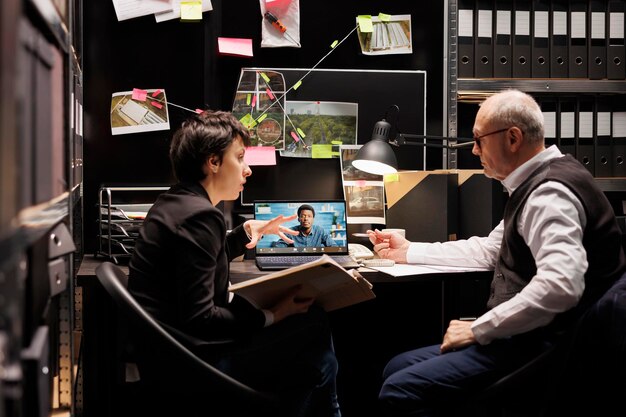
(481, 203)
(424, 203)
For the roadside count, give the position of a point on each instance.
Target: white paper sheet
(128, 9)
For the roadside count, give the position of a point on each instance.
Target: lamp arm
(406, 139)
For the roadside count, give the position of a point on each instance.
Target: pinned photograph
(260, 105)
(388, 34)
(139, 111)
(312, 124)
(364, 192)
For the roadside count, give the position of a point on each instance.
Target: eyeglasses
(478, 138)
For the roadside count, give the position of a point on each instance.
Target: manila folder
(332, 286)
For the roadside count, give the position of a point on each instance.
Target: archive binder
(567, 126)
(483, 48)
(584, 133)
(549, 108)
(596, 61)
(466, 39)
(521, 40)
(618, 130)
(578, 39)
(558, 40)
(540, 39)
(615, 50)
(602, 133)
(502, 44)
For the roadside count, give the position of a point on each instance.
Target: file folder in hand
(567, 126)
(602, 133)
(584, 146)
(483, 48)
(466, 39)
(541, 39)
(615, 51)
(502, 46)
(596, 62)
(578, 39)
(521, 40)
(558, 40)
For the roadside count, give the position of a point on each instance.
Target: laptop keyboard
(299, 260)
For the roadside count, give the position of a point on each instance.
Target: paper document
(400, 270)
(128, 9)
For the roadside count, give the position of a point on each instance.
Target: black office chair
(183, 383)
(584, 373)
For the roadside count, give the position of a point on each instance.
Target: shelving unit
(119, 220)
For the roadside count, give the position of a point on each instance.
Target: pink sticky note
(235, 46)
(269, 93)
(360, 183)
(260, 155)
(156, 93)
(294, 135)
(139, 94)
(156, 104)
(199, 111)
(253, 100)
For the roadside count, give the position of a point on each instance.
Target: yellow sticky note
(332, 45)
(365, 23)
(296, 85)
(191, 10)
(248, 99)
(322, 151)
(391, 177)
(301, 133)
(334, 154)
(336, 142)
(384, 17)
(261, 118)
(248, 121)
(265, 77)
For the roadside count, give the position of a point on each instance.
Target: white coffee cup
(401, 232)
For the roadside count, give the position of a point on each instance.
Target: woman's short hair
(200, 137)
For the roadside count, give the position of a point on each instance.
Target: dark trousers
(424, 382)
(293, 359)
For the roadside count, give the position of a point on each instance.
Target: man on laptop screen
(322, 230)
(309, 234)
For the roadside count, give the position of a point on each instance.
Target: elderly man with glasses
(557, 249)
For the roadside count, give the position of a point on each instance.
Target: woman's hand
(292, 303)
(257, 228)
(389, 245)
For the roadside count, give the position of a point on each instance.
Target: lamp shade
(376, 156)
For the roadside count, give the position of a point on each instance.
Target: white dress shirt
(551, 223)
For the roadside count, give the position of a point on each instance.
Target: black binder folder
(521, 40)
(618, 132)
(483, 47)
(567, 126)
(578, 39)
(558, 39)
(584, 133)
(597, 39)
(502, 45)
(541, 39)
(602, 133)
(549, 110)
(466, 39)
(615, 51)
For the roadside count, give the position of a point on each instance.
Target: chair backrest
(181, 363)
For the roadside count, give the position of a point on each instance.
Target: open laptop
(328, 236)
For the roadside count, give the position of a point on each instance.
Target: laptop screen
(321, 226)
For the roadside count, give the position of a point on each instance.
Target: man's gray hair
(514, 108)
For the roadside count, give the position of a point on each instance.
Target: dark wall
(181, 58)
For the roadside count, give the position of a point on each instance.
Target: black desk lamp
(377, 157)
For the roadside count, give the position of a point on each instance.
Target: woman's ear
(212, 165)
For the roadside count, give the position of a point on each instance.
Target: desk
(408, 312)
